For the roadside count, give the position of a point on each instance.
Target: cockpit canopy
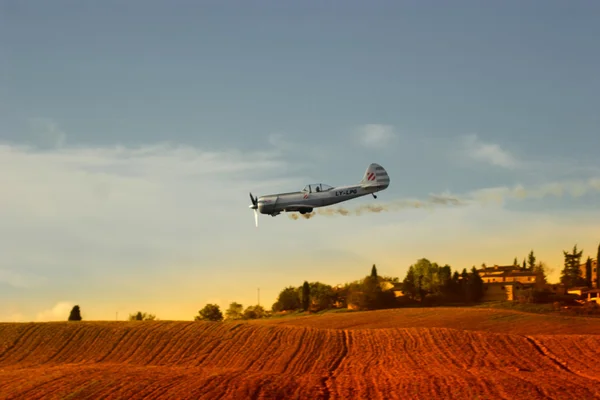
(316, 187)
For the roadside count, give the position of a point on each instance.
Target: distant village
(505, 283)
(524, 283)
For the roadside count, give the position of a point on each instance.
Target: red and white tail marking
(375, 175)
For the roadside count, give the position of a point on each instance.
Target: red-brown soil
(411, 355)
(468, 318)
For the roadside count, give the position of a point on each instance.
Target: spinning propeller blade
(254, 206)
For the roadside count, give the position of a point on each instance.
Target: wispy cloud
(376, 135)
(305, 152)
(20, 279)
(570, 188)
(47, 132)
(60, 312)
(490, 153)
(280, 142)
(105, 208)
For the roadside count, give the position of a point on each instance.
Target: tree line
(425, 283)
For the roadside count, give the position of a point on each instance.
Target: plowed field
(477, 319)
(273, 359)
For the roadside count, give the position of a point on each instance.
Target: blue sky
(132, 132)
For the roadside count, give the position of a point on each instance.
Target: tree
(588, 271)
(425, 279)
(305, 296)
(571, 274)
(288, 300)
(391, 279)
(524, 266)
(531, 261)
(322, 296)
(542, 271)
(371, 294)
(598, 268)
(374, 272)
(75, 314)
(475, 286)
(210, 312)
(446, 288)
(515, 262)
(234, 311)
(455, 286)
(254, 312)
(409, 285)
(464, 284)
(141, 316)
(366, 294)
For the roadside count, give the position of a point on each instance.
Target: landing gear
(374, 195)
(305, 211)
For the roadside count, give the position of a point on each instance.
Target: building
(509, 273)
(505, 283)
(592, 295)
(395, 287)
(594, 273)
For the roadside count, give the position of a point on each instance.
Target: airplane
(320, 195)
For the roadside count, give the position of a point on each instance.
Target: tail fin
(375, 176)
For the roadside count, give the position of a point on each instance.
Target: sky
(132, 132)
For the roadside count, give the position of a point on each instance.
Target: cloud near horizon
(60, 312)
(46, 132)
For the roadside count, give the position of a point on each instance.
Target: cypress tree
(588, 271)
(571, 275)
(531, 261)
(374, 272)
(475, 286)
(305, 295)
(75, 314)
(598, 268)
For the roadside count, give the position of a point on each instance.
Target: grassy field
(417, 353)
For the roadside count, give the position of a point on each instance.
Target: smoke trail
(435, 200)
(482, 196)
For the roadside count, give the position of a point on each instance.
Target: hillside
(261, 360)
(468, 318)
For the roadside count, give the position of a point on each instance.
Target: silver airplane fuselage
(317, 195)
(305, 201)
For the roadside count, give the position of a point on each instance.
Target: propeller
(254, 206)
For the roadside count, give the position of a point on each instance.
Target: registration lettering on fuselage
(346, 192)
